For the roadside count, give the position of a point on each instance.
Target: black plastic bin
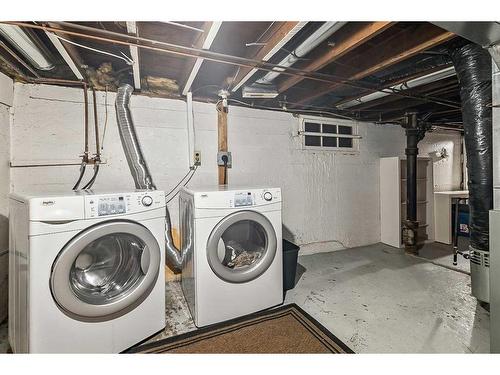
(290, 253)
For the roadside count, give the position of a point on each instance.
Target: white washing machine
(233, 244)
(86, 271)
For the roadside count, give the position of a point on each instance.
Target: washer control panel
(111, 205)
(118, 204)
(242, 199)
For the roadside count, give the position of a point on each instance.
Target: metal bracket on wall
(220, 161)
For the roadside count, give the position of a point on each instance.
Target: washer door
(241, 247)
(105, 271)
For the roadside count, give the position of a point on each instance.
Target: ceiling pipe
(271, 53)
(315, 39)
(26, 46)
(180, 50)
(420, 81)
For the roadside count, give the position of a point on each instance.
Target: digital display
(243, 199)
(111, 206)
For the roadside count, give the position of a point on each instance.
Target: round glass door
(106, 270)
(241, 247)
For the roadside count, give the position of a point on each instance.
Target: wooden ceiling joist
(345, 44)
(67, 51)
(280, 35)
(134, 52)
(380, 57)
(204, 41)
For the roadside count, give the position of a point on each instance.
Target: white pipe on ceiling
(315, 39)
(272, 52)
(429, 78)
(23, 43)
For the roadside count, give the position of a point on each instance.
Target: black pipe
(412, 138)
(473, 67)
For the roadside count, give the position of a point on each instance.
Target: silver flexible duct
(139, 169)
(130, 143)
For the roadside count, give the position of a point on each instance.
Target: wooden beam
(68, 52)
(280, 35)
(212, 28)
(346, 43)
(132, 29)
(222, 138)
(382, 56)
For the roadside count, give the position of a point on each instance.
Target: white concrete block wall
(6, 99)
(446, 171)
(328, 196)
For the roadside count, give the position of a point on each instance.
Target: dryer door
(241, 247)
(105, 271)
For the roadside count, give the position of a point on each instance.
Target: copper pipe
(18, 59)
(96, 128)
(85, 156)
(215, 57)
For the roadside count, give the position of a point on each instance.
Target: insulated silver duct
(130, 143)
(139, 169)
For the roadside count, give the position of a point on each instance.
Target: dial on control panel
(147, 201)
(268, 196)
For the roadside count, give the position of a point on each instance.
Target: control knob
(268, 196)
(147, 201)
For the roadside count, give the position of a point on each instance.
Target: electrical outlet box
(220, 162)
(197, 158)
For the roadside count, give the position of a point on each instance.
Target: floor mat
(287, 329)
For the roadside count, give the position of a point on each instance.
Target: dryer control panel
(237, 198)
(126, 203)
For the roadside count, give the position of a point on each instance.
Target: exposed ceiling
(335, 77)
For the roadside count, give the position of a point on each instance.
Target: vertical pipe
(86, 121)
(411, 167)
(96, 127)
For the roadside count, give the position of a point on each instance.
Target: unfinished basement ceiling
(359, 58)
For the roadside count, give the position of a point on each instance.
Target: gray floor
(442, 254)
(377, 300)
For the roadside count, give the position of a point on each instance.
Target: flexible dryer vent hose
(139, 169)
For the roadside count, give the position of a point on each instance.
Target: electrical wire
(261, 35)
(180, 182)
(189, 179)
(218, 57)
(125, 58)
(292, 110)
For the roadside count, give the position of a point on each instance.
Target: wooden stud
(345, 44)
(133, 29)
(222, 137)
(72, 52)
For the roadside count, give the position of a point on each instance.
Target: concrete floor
(377, 300)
